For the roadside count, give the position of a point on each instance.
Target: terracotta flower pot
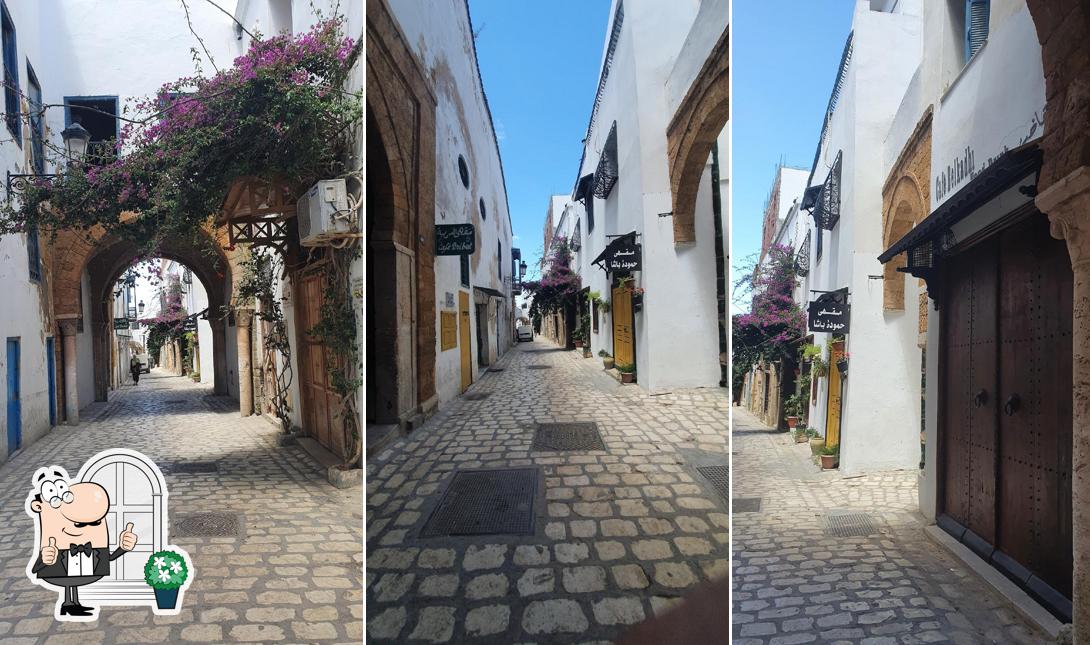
(628, 377)
(792, 422)
(578, 344)
(828, 462)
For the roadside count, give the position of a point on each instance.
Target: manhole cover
(191, 467)
(539, 367)
(719, 476)
(204, 525)
(486, 502)
(568, 436)
(477, 396)
(849, 525)
(174, 401)
(496, 369)
(745, 505)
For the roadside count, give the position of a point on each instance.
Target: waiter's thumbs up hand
(127, 539)
(49, 552)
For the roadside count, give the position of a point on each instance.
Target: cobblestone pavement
(295, 575)
(622, 534)
(795, 583)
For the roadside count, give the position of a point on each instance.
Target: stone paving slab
(794, 582)
(295, 575)
(623, 532)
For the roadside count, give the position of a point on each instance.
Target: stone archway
(115, 255)
(699, 119)
(105, 257)
(906, 200)
(401, 124)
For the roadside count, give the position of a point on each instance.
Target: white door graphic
(135, 487)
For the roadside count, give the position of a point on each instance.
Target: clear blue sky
(785, 59)
(539, 63)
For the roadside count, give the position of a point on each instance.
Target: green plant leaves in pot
(166, 570)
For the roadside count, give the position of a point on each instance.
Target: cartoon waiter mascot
(74, 540)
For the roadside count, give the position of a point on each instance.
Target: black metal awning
(616, 243)
(582, 188)
(1001, 174)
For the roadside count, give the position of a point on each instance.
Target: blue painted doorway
(15, 412)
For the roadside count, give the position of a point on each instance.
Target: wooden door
(1034, 403)
(320, 400)
(623, 353)
(1005, 398)
(464, 340)
(833, 409)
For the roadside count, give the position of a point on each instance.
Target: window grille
(11, 75)
(802, 260)
(37, 127)
(605, 176)
(34, 254)
(827, 209)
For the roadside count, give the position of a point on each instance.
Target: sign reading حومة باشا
(830, 313)
(625, 258)
(455, 239)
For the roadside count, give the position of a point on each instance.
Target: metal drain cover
(719, 476)
(191, 467)
(205, 525)
(486, 502)
(477, 396)
(567, 436)
(174, 401)
(496, 369)
(745, 505)
(539, 367)
(850, 525)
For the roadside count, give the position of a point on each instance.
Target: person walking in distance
(135, 367)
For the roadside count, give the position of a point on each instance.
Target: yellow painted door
(622, 326)
(832, 416)
(463, 339)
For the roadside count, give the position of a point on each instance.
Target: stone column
(219, 355)
(69, 328)
(1067, 204)
(243, 320)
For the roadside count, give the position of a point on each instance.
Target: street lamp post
(76, 138)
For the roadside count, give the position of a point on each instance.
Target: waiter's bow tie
(80, 548)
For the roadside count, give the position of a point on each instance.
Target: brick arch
(73, 250)
(1063, 29)
(907, 208)
(699, 119)
(400, 133)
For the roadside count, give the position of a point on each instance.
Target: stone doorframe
(692, 131)
(401, 107)
(1063, 29)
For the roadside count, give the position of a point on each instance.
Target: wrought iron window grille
(605, 176)
(827, 209)
(802, 259)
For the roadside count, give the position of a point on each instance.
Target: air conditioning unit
(323, 215)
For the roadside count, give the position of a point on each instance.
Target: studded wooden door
(623, 353)
(1005, 424)
(836, 385)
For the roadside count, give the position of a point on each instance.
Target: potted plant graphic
(166, 572)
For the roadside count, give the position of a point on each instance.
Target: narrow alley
(276, 549)
(823, 558)
(589, 541)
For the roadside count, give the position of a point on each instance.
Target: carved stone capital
(68, 326)
(1067, 204)
(244, 317)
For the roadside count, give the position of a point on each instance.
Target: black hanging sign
(121, 323)
(190, 324)
(625, 257)
(455, 239)
(830, 313)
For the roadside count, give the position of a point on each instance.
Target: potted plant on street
(829, 456)
(792, 407)
(607, 360)
(628, 372)
(800, 435)
(817, 442)
(166, 572)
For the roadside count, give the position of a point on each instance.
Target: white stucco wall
(440, 34)
(676, 333)
(880, 398)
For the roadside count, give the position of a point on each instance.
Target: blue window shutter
(977, 13)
